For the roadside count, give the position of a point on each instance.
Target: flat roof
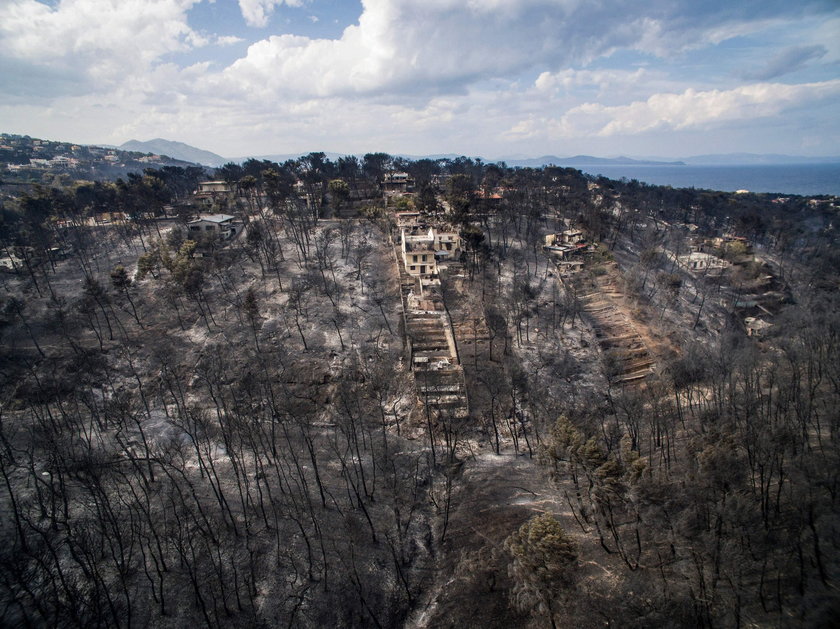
(213, 218)
(699, 255)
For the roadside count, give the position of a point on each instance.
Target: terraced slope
(624, 347)
(431, 348)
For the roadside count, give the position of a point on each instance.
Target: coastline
(799, 179)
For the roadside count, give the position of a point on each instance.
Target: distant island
(589, 160)
(757, 159)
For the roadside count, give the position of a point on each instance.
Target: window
(424, 257)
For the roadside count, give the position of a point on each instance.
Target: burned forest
(376, 392)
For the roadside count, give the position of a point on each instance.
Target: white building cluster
(423, 247)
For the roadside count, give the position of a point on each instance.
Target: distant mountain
(434, 157)
(588, 160)
(176, 150)
(282, 157)
(755, 159)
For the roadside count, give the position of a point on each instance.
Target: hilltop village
(394, 393)
(30, 160)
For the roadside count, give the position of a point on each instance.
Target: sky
(491, 78)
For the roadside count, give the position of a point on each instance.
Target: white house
(698, 262)
(210, 190)
(217, 187)
(423, 246)
(568, 237)
(446, 244)
(398, 182)
(418, 250)
(221, 225)
(566, 243)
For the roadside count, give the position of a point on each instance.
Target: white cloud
(108, 39)
(788, 60)
(690, 109)
(434, 46)
(228, 40)
(411, 75)
(602, 80)
(416, 48)
(34, 31)
(701, 109)
(414, 45)
(257, 12)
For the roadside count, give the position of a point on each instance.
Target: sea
(802, 179)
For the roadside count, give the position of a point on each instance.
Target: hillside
(465, 397)
(26, 160)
